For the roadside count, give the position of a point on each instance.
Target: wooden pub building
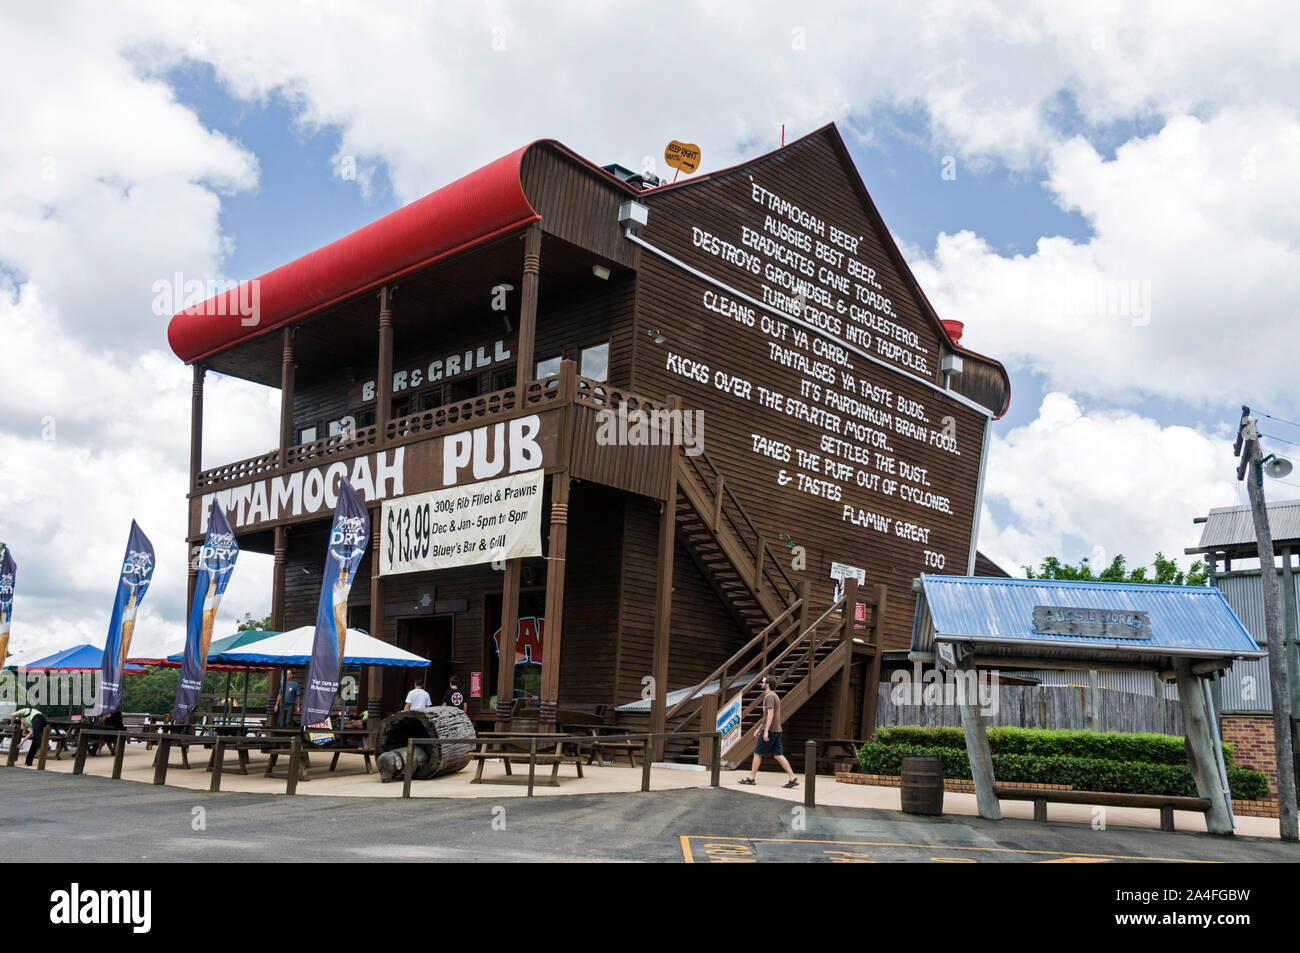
(723, 417)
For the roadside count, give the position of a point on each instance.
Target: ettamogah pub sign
(1093, 623)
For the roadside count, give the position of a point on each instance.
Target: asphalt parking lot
(48, 817)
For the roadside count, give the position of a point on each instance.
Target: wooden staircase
(799, 653)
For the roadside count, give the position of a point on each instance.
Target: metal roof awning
(1231, 529)
(1073, 624)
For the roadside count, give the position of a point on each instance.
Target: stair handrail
(761, 544)
(806, 634)
(721, 669)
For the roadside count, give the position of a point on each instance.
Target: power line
(1269, 436)
(1278, 419)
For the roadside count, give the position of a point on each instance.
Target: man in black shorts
(768, 733)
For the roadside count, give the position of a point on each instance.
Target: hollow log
(438, 721)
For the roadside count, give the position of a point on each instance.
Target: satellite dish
(1277, 467)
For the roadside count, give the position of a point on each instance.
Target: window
(365, 418)
(307, 435)
(431, 399)
(549, 367)
(503, 379)
(595, 362)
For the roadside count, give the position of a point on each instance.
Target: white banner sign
(728, 722)
(462, 526)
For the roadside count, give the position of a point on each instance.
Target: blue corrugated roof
(1185, 620)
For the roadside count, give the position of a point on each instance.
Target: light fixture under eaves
(601, 272)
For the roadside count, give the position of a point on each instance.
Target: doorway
(429, 638)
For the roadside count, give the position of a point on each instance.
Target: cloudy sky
(1106, 193)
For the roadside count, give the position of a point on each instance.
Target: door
(429, 638)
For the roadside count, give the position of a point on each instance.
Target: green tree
(1167, 572)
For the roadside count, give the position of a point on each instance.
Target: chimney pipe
(954, 329)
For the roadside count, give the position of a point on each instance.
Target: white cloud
(1081, 483)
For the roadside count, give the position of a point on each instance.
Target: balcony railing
(545, 393)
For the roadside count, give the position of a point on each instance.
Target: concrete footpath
(54, 817)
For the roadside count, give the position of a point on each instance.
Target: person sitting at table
(112, 722)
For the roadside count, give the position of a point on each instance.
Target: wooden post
(281, 551)
(118, 753)
(1200, 748)
(557, 548)
(977, 739)
(871, 677)
(79, 759)
(218, 763)
(295, 756)
(1159, 694)
(651, 744)
(841, 704)
(1094, 700)
(506, 646)
(161, 760)
(663, 613)
(196, 426)
(810, 772)
(715, 762)
(43, 754)
(287, 374)
(384, 380)
(15, 742)
(527, 367)
(532, 764)
(375, 673)
(408, 770)
(1252, 468)
(1289, 626)
(708, 722)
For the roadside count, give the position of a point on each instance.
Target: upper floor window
(594, 362)
(549, 367)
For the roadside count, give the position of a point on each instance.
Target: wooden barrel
(922, 784)
(437, 722)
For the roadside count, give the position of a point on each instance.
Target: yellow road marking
(1073, 857)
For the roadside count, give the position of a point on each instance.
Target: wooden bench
(1166, 804)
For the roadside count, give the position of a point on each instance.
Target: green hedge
(1083, 774)
(1045, 743)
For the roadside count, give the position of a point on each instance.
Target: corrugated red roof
(477, 208)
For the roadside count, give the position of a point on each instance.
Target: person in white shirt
(417, 697)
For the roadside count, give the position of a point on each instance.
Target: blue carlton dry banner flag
(348, 539)
(215, 562)
(8, 571)
(137, 570)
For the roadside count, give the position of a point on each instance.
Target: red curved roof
(477, 208)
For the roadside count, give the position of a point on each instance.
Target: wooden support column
(663, 616)
(287, 377)
(1200, 748)
(384, 380)
(977, 739)
(281, 555)
(506, 649)
(527, 369)
(555, 563)
(871, 692)
(375, 673)
(841, 717)
(196, 464)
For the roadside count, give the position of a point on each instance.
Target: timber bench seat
(1165, 803)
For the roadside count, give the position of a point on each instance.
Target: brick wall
(1251, 737)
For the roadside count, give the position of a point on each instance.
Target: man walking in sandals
(768, 733)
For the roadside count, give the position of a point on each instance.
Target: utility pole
(1251, 468)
